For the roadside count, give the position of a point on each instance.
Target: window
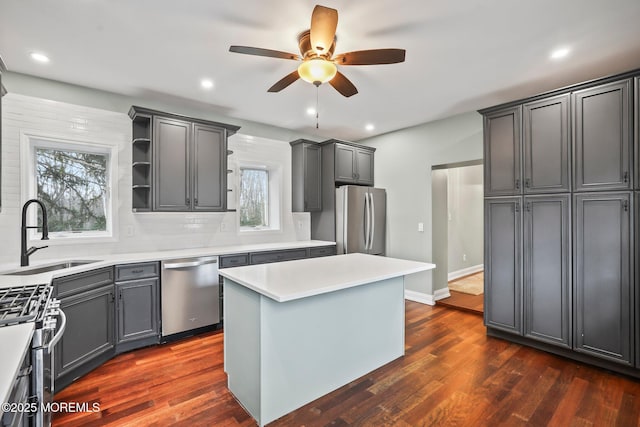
(254, 198)
(75, 181)
(73, 185)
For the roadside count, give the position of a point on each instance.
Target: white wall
(403, 161)
(465, 217)
(139, 231)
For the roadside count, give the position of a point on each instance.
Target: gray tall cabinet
(559, 222)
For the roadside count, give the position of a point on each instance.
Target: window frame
(30, 141)
(274, 195)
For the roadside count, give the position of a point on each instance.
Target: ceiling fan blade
(343, 85)
(247, 50)
(284, 82)
(324, 22)
(371, 57)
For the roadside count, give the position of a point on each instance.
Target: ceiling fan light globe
(317, 71)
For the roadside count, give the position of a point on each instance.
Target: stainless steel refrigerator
(361, 216)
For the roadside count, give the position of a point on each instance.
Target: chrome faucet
(24, 252)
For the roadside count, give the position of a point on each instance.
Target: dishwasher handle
(187, 264)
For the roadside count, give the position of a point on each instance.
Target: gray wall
(465, 217)
(439, 180)
(403, 163)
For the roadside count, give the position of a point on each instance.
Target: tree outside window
(73, 185)
(254, 198)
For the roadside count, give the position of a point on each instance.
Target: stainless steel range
(34, 303)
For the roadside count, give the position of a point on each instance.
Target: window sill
(72, 240)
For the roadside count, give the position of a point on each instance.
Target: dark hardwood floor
(451, 375)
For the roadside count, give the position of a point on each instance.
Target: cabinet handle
(528, 206)
(625, 177)
(195, 202)
(187, 201)
(517, 207)
(517, 184)
(527, 182)
(625, 206)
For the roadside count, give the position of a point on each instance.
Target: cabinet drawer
(137, 271)
(277, 256)
(322, 251)
(75, 283)
(233, 260)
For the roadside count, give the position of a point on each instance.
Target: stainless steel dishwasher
(190, 294)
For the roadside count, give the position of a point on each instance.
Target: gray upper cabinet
(546, 145)
(636, 121)
(602, 137)
(353, 165)
(602, 277)
(547, 268)
(502, 144)
(172, 164)
(179, 162)
(306, 185)
(503, 264)
(209, 168)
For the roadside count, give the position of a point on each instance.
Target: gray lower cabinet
(277, 256)
(547, 268)
(603, 137)
(546, 153)
(89, 338)
(137, 305)
(502, 146)
(503, 263)
(604, 321)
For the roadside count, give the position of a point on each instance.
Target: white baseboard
(426, 298)
(465, 272)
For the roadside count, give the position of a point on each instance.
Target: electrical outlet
(223, 226)
(130, 231)
(300, 224)
(421, 227)
(464, 257)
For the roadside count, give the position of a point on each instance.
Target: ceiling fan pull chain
(317, 89)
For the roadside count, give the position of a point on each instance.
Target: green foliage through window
(254, 198)
(74, 187)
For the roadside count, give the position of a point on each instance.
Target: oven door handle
(58, 335)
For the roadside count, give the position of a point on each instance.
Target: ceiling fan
(319, 65)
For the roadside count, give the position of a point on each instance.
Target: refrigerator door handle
(372, 210)
(367, 224)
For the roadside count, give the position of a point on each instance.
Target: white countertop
(291, 280)
(15, 341)
(126, 258)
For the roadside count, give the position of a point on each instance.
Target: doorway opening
(458, 234)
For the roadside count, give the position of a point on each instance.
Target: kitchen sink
(26, 271)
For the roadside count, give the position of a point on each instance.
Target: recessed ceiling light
(311, 111)
(369, 127)
(39, 57)
(206, 84)
(560, 53)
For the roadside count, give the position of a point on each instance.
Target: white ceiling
(461, 55)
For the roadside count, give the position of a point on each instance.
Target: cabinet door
(547, 268)
(345, 163)
(503, 259)
(602, 145)
(637, 138)
(502, 152)
(546, 145)
(603, 297)
(89, 332)
(209, 168)
(312, 156)
(364, 167)
(138, 304)
(171, 164)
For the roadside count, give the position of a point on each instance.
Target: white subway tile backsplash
(136, 231)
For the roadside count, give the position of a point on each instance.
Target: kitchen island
(297, 330)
